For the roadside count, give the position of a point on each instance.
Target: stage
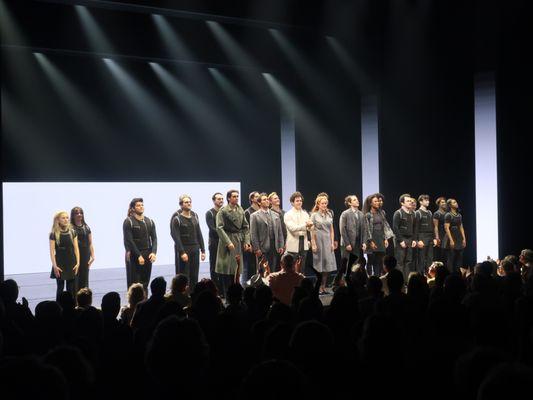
(37, 287)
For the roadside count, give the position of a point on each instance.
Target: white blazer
(295, 222)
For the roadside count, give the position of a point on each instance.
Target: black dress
(455, 221)
(83, 233)
(65, 256)
(455, 253)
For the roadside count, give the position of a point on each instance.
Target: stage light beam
(95, 34)
(200, 111)
(154, 116)
(81, 110)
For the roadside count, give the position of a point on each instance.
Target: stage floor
(38, 287)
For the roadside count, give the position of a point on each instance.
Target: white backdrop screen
(29, 209)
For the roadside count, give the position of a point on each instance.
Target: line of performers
(264, 232)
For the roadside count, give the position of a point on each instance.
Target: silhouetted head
(389, 263)
(84, 297)
(9, 291)
(136, 294)
(179, 284)
(234, 294)
(111, 305)
(416, 284)
(454, 287)
(158, 286)
(47, 311)
(66, 301)
(395, 281)
(287, 262)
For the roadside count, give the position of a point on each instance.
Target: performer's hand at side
(231, 247)
(184, 257)
(76, 268)
(141, 260)
(202, 256)
(152, 257)
(247, 247)
(57, 272)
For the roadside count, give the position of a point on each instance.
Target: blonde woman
(136, 294)
(64, 254)
(323, 240)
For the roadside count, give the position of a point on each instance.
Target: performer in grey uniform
(234, 237)
(438, 227)
(249, 261)
(378, 233)
(323, 240)
(188, 240)
(403, 226)
(210, 219)
(266, 234)
(425, 234)
(352, 227)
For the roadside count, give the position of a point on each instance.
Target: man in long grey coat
(266, 233)
(352, 226)
(234, 237)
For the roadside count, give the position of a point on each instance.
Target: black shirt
(403, 225)
(186, 232)
(139, 235)
(424, 223)
(211, 220)
(64, 254)
(439, 216)
(83, 232)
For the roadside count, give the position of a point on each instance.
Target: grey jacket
(259, 231)
(352, 227)
(370, 227)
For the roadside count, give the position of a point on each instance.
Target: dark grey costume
(266, 235)
(352, 226)
(377, 230)
(425, 233)
(455, 253)
(403, 226)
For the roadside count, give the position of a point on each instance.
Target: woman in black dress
(85, 244)
(455, 239)
(64, 254)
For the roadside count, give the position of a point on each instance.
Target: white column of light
(288, 156)
(369, 145)
(486, 166)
